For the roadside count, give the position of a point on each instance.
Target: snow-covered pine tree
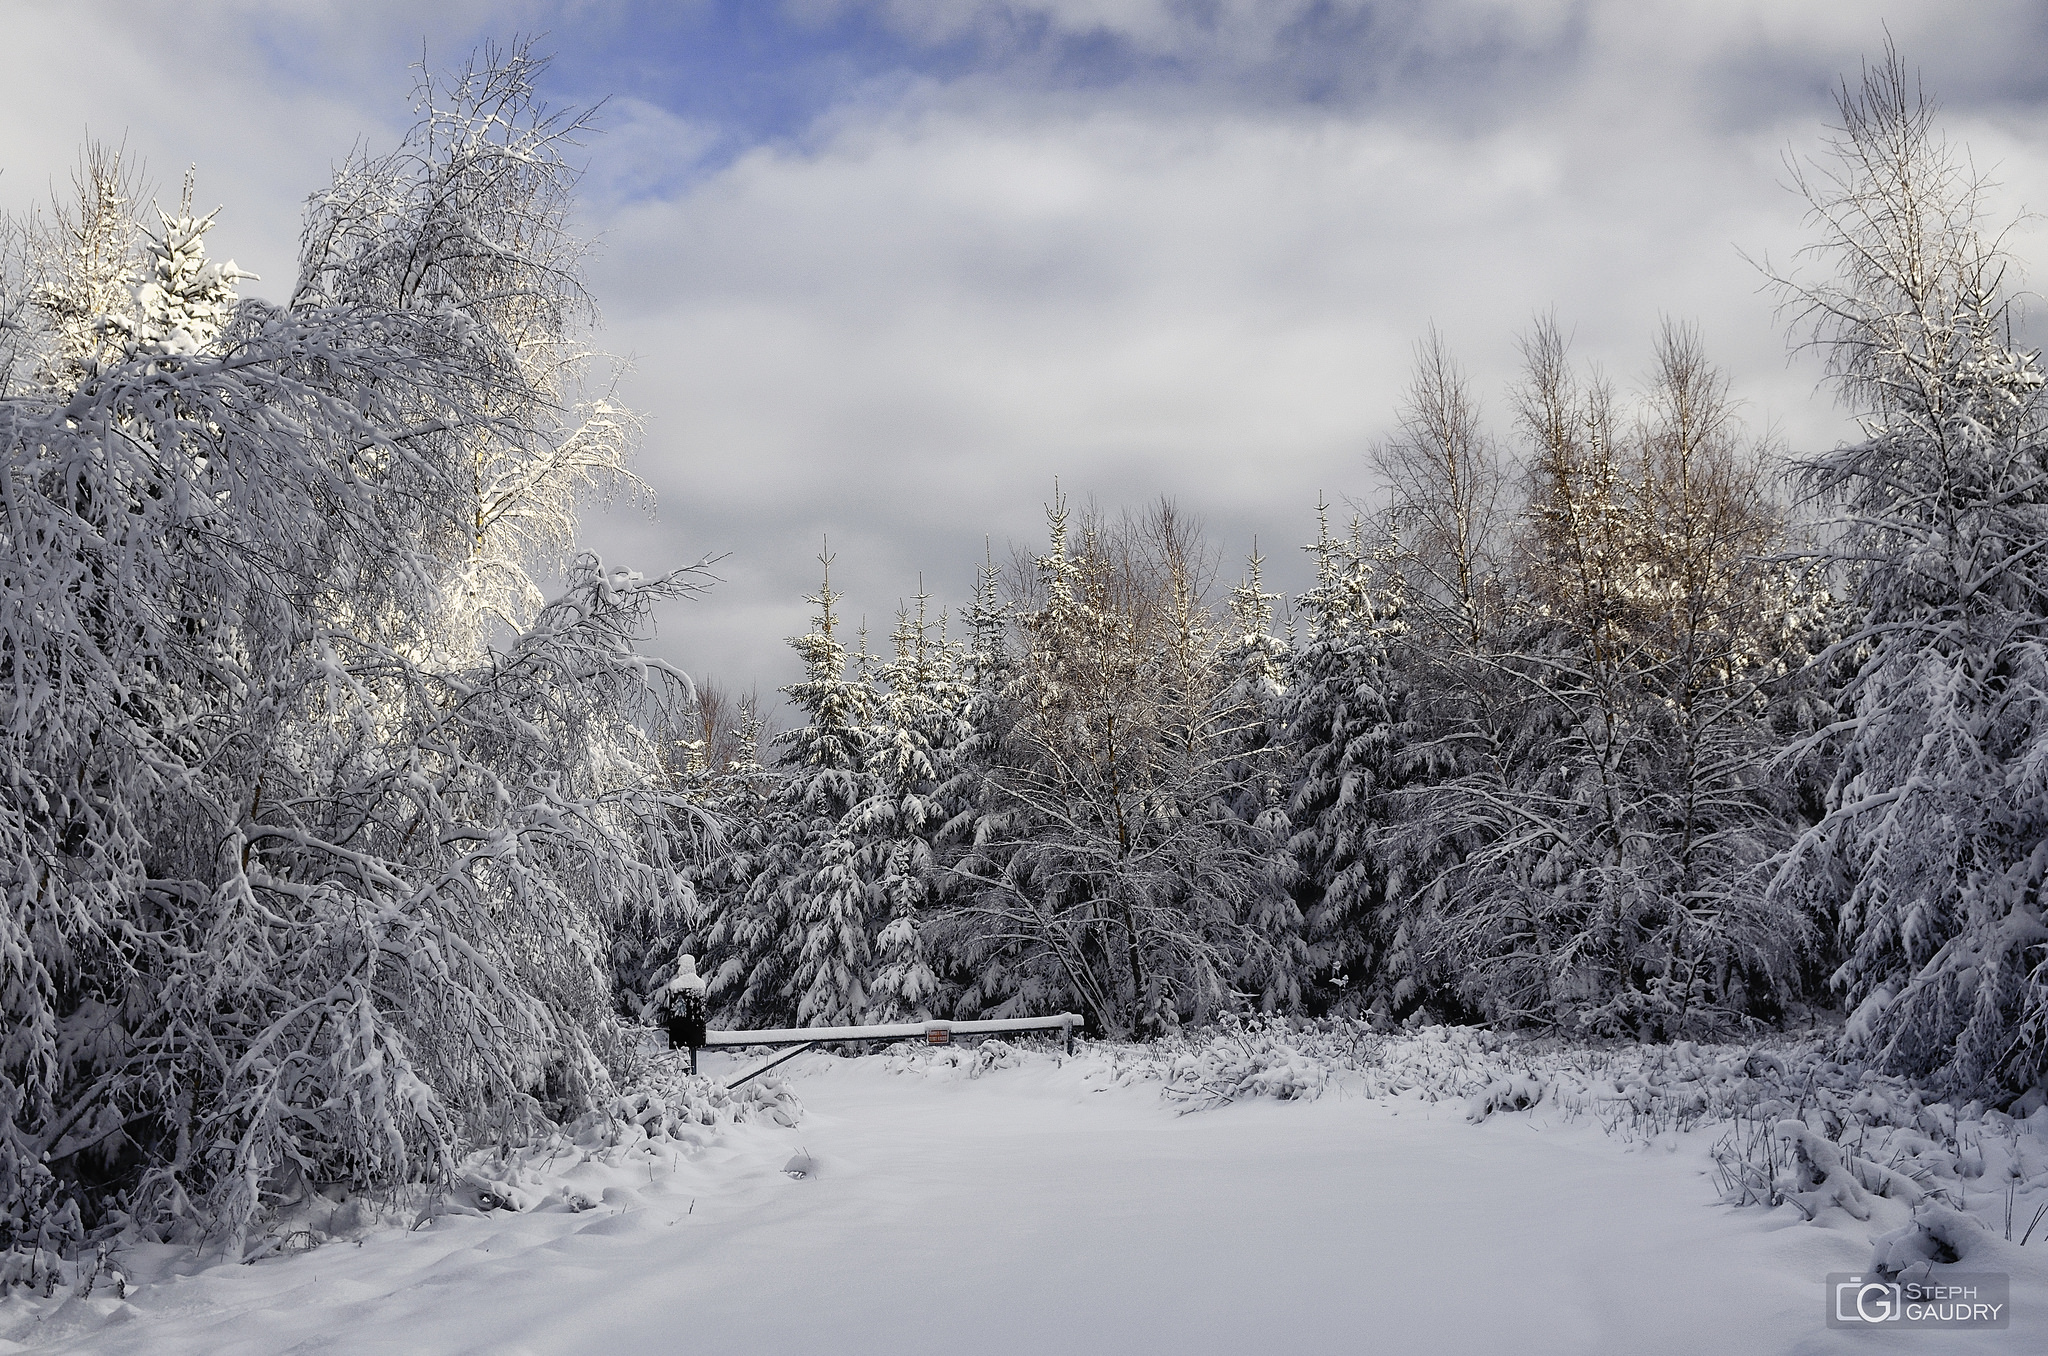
(1930, 856)
(830, 944)
(922, 719)
(714, 924)
(713, 763)
(984, 827)
(792, 940)
(1111, 880)
(79, 269)
(1254, 787)
(187, 300)
(1036, 928)
(1343, 716)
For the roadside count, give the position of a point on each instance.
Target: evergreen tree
(80, 271)
(1254, 785)
(985, 970)
(921, 721)
(793, 942)
(187, 300)
(1343, 717)
(1112, 878)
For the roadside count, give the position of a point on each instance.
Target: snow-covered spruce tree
(187, 300)
(1343, 716)
(815, 910)
(285, 898)
(1931, 855)
(714, 763)
(832, 934)
(1252, 666)
(791, 940)
(983, 969)
(77, 272)
(748, 802)
(921, 720)
(1111, 880)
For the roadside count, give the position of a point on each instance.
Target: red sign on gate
(938, 1037)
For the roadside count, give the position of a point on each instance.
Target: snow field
(1003, 1199)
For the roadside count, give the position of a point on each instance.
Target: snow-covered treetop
(186, 300)
(837, 707)
(1359, 590)
(1255, 656)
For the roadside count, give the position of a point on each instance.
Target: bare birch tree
(1929, 855)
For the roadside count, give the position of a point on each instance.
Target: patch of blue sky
(728, 76)
(739, 75)
(755, 72)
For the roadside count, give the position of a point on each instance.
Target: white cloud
(899, 332)
(1201, 278)
(263, 113)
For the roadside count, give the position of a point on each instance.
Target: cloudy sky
(887, 269)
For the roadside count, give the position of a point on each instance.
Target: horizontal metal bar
(769, 1064)
(899, 1031)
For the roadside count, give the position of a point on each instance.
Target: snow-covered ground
(1059, 1205)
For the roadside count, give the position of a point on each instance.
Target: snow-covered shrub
(664, 1113)
(670, 1104)
(1239, 1059)
(1749, 1164)
(46, 1270)
(1821, 1176)
(957, 1059)
(1505, 1094)
(1938, 1233)
(995, 1054)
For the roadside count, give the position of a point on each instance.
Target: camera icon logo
(1861, 1301)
